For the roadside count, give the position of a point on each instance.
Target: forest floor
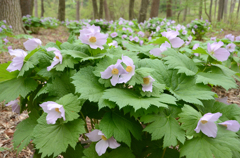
(9, 120)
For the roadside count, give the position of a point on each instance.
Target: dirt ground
(9, 120)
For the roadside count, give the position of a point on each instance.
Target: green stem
(92, 124)
(164, 152)
(85, 121)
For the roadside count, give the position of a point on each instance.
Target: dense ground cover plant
(153, 100)
(5, 32)
(199, 28)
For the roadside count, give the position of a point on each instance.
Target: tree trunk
(233, 2)
(215, 10)
(185, 11)
(77, 10)
(210, 11)
(200, 9)
(205, 8)
(225, 10)
(61, 10)
(11, 12)
(106, 11)
(36, 8)
(112, 10)
(95, 9)
(169, 8)
(131, 9)
(100, 9)
(238, 8)
(42, 9)
(154, 8)
(26, 7)
(143, 11)
(220, 10)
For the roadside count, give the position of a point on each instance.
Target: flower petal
(156, 52)
(209, 129)
(112, 143)
(93, 136)
(52, 117)
(101, 147)
(176, 42)
(232, 125)
(221, 54)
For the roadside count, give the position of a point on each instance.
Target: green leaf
(120, 126)
(53, 139)
(71, 38)
(216, 80)
(165, 125)
(181, 62)
(220, 147)
(121, 152)
(76, 152)
(71, 105)
(6, 75)
(87, 84)
(159, 40)
(67, 61)
(24, 133)
(200, 50)
(140, 73)
(125, 97)
(11, 89)
(189, 118)
(90, 152)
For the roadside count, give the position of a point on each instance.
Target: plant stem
(164, 152)
(85, 121)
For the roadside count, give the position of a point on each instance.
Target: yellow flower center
(129, 68)
(103, 137)
(225, 125)
(204, 121)
(146, 80)
(92, 39)
(57, 109)
(57, 57)
(115, 71)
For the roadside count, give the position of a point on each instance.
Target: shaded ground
(9, 120)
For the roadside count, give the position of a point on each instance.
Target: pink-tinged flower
(190, 38)
(172, 37)
(187, 42)
(114, 34)
(188, 25)
(57, 59)
(230, 37)
(54, 111)
(130, 70)
(104, 143)
(147, 84)
(215, 49)
(93, 37)
(131, 38)
(184, 32)
(15, 105)
(114, 43)
(141, 42)
(195, 47)
(136, 39)
(113, 71)
(231, 47)
(193, 31)
(238, 38)
(124, 36)
(129, 29)
(5, 21)
(195, 26)
(206, 124)
(232, 125)
(31, 44)
(130, 23)
(158, 28)
(213, 38)
(124, 29)
(141, 34)
(17, 61)
(5, 40)
(150, 38)
(158, 51)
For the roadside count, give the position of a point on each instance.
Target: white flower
(57, 59)
(15, 105)
(17, 61)
(104, 143)
(31, 44)
(147, 84)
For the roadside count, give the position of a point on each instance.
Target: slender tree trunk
(36, 8)
(169, 8)
(200, 9)
(107, 17)
(210, 11)
(61, 10)
(26, 7)
(233, 2)
(95, 9)
(143, 11)
(42, 9)
(154, 8)
(131, 9)
(10, 11)
(225, 10)
(205, 8)
(100, 9)
(220, 10)
(215, 9)
(77, 10)
(179, 12)
(112, 10)
(185, 11)
(238, 8)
